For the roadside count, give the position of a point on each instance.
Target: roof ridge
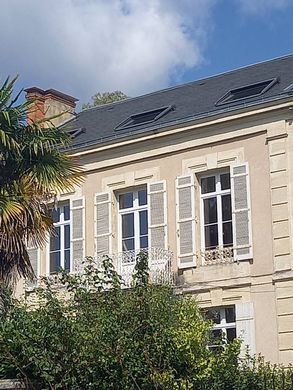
(186, 84)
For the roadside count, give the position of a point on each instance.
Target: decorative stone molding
(130, 179)
(212, 161)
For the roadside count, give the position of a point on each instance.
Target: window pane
(67, 260)
(230, 314)
(225, 181)
(231, 334)
(213, 315)
(211, 236)
(56, 215)
(216, 336)
(54, 262)
(226, 208)
(210, 210)
(126, 200)
(127, 225)
(66, 211)
(128, 245)
(142, 197)
(227, 234)
(55, 240)
(144, 242)
(216, 349)
(208, 184)
(67, 236)
(143, 222)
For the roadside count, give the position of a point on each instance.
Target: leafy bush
(87, 332)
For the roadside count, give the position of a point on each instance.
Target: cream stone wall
(281, 162)
(264, 140)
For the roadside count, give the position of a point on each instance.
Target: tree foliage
(87, 332)
(32, 171)
(104, 98)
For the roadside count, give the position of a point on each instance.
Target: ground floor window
(224, 329)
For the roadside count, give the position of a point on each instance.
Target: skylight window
(289, 88)
(144, 117)
(246, 91)
(76, 132)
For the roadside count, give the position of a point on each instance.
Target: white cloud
(263, 6)
(85, 46)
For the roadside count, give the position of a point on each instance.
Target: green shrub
(87, 332)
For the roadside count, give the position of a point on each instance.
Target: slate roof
(191, 101)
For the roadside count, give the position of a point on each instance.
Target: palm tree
(33, 169)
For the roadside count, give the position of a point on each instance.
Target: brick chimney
(48, 103)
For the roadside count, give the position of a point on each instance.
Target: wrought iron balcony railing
(217, 256)
(159, 265)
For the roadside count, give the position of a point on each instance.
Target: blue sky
(244, 36)
(138, 46)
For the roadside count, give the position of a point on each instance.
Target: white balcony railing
(217, 256)
(159, 265)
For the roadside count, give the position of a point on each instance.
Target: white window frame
(135, 209)
(224, 325)
(62, 223)
(218, 194)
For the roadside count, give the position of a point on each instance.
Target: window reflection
(134, 219)
(60, 239)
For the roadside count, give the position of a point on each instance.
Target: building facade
(200, 176)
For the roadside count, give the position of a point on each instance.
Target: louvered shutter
(245, 326)
(157, 215)
(77, 209)
(241, 212)
(185, 217)
(103, 223)
(34, 256)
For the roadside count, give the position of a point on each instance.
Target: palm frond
(32, 170)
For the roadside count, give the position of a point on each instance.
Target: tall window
(224, 329)
(216, 211)
(133, 215)
(60, 241)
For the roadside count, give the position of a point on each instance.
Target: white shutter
(34, 256)
(245, 327)
(185, 217)
(157, 215)
(77, 209)
(241, 216)
(103, 223)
